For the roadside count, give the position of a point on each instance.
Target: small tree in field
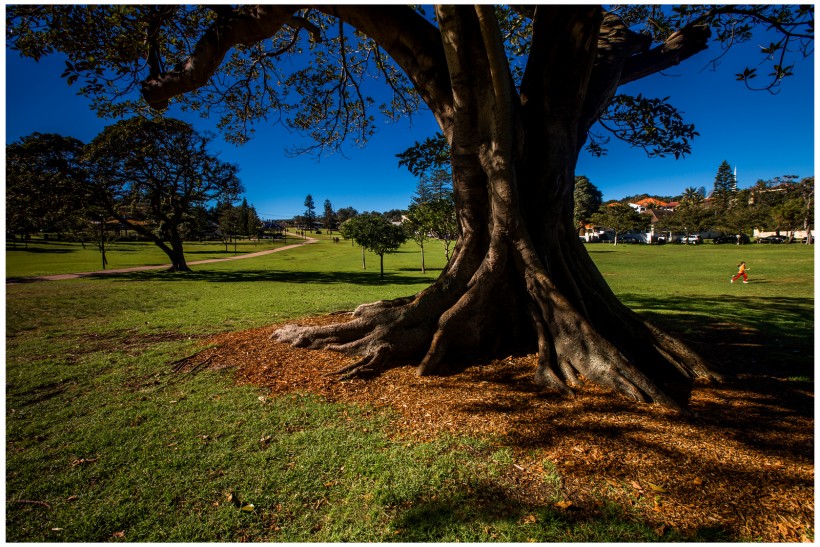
(620, 218)
(96, 229)
(376, 234)
(310, 212)
(160, 170)
(416, 228)
(230, 224)
(349, 230)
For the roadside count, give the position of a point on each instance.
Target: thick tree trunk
(176, 253)
(519, 280)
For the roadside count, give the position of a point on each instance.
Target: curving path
(60, 277)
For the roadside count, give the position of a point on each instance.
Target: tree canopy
(587, 199)
(157, 171)
(376, 234)
(45, 183)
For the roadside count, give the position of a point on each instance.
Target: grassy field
(44, 257)
(104, 442)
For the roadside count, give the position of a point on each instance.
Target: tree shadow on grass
(427, 269)
(275, 276)
(763, 335)
(740, 469)
(39, 250)
(494, 511)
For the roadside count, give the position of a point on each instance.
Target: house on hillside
(645, 204)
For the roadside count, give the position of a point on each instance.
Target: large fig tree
(517, 93)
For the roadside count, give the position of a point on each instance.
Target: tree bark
(174, 251)
(177, 254)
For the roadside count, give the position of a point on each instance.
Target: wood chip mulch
(744, 465)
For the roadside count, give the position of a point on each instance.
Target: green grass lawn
(104, 442)
(44, 257)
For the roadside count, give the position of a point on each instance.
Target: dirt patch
(127, 341)
(743, 466)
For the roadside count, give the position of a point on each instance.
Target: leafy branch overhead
(651, 124)
(120, 52)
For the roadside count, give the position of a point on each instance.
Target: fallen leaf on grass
(698, 481)
(82, 461)
(612, 483)
(529, 519)
(566, 504)
(120, 534)
(248, 508)
(657, 488)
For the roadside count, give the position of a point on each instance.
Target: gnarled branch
(681, 45)
(244, 26)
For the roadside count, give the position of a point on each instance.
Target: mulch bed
(744, 465)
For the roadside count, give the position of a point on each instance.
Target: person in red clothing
(741, 271)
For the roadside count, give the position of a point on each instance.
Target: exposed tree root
(438, 325)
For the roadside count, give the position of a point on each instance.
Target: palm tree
(692, 196)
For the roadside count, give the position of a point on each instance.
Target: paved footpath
(60, 277)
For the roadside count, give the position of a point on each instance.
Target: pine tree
(310, 211)
(329, 217)
(725, 185)
(587, 198)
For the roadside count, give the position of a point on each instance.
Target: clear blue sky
(763, 135)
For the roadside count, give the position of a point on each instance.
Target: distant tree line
(782, 204)
(154, 178)
(431, 214)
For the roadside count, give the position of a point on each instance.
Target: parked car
(690, 239)
(772, 239)
(731, 238)
(632, 238)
